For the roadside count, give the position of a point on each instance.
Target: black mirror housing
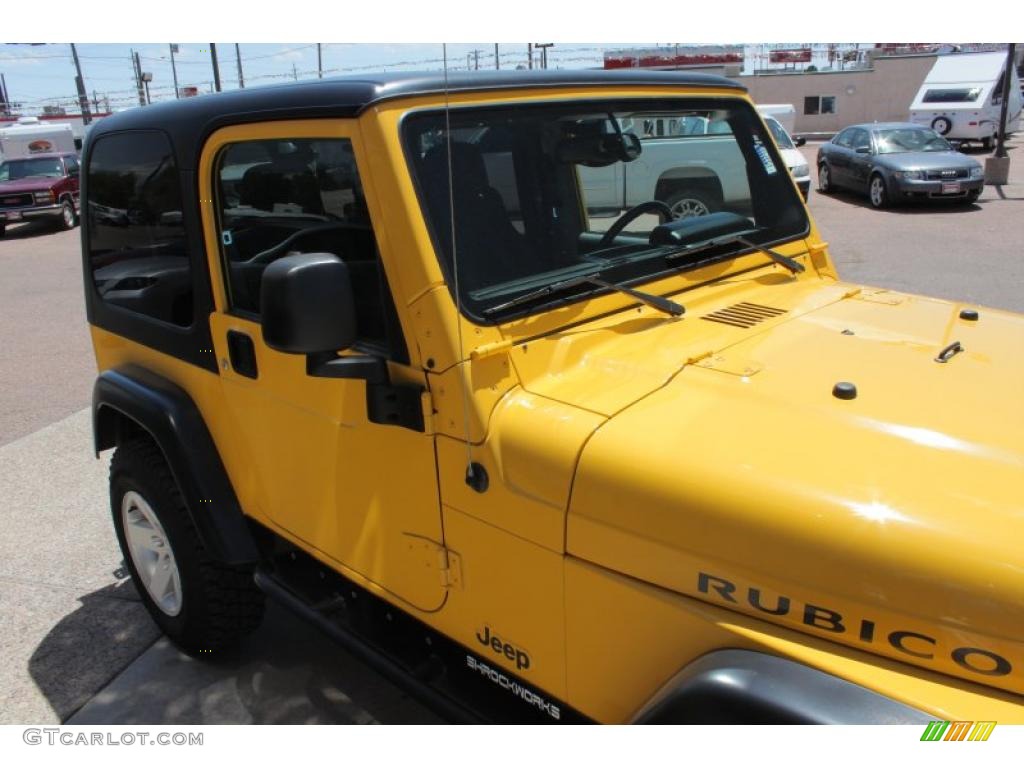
(307, 304)
(799, 141)
(863, 150)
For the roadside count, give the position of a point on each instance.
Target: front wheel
(877, 192)
(824, 179)
(201, 604)
(971, 198)
(67, 215)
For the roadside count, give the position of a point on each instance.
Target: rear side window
(136, 238)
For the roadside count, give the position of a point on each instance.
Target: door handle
(242, 354)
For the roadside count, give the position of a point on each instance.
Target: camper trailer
(30, 136)
(962, 96)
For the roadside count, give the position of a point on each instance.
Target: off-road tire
(220, 603)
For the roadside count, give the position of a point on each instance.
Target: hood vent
(743, 315)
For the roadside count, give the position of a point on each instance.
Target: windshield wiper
(740, 237)
(592, 278)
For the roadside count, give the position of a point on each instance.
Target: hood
(35, 184)
(926, 161)
(892, 522)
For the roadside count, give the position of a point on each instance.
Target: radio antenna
(471, 479)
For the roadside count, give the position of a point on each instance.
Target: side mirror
(865, 150)
(307, 304)
(799, 141)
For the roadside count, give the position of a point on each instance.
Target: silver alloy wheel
(688, 207)
(68, 213)
(823, 178)
(877, 191)
(151, 553)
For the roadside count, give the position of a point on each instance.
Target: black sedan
(893, 162)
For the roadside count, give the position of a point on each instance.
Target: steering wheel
(649, 206)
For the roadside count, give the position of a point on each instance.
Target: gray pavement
(77, 643)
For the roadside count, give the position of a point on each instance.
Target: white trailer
(31, 136)
(962, 96)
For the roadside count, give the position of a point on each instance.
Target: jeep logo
(502, 648)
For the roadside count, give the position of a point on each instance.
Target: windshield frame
(640, 103)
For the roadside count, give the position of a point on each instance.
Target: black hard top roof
(189, 120)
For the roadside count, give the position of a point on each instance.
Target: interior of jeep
(281, 197)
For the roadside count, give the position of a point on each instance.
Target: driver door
(308, 455)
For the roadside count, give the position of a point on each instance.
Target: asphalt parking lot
(77, 642)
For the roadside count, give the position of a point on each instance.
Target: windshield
(35, 166)
(892, 140)
(536, 190)
(779, 133)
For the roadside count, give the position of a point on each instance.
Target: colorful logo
(40, 145)
(961, 730)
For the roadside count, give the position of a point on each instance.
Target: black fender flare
(754, 688)
(135, 397)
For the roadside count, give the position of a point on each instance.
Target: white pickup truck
(688, 162)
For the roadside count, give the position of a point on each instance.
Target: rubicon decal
(549, 708)
(915, 647)
(962, 730)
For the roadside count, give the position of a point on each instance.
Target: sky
(38, 74)
(44, 74)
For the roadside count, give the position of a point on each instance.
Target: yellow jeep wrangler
(458, 369)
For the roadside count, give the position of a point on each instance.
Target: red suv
(39, 186)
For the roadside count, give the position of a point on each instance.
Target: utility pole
(95, 101)
(529, 55)
(83, 97)
(319, 62)
(997, 167)
(1007, 84)
(543, 53)
(138, 79)
(476, 59)
(216, 68)
(5, 104)
(174, 69)
(295, 72)
(238, 56)
(497, 61)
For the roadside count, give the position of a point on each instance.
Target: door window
(860, 138)
(282, 196)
